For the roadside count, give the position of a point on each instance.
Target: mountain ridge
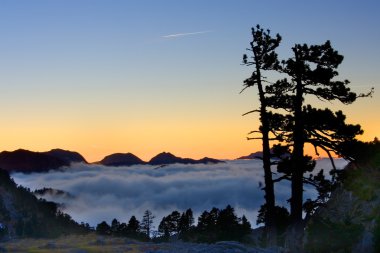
(22, 160)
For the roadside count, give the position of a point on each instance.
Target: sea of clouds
(97, 193)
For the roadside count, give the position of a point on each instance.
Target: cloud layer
(103, 193)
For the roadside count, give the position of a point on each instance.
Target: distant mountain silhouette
(66, 155)
(27, 161)
(259, 155)
(120, 159)
(165, 158)
(209, 160)
(168, 158)
(255, 155)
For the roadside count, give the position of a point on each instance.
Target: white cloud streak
(103, 193)
(176, 35)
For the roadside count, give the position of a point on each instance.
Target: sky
(96, 193)
(146, 76)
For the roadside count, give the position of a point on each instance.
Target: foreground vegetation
(214, 225)
(23, 215)
(350, 220)
(89, 243)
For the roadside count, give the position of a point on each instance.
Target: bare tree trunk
(295, 234)
(271, 231)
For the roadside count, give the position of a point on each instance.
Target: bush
(326, 236)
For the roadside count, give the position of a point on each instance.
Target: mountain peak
(29, 161)
(165, 158)
(66, 155)
(121, 159)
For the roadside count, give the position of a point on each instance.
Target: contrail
(183, 34)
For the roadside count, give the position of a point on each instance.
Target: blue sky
(100, 77)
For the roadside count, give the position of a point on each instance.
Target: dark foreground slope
(350, 222)
(23, 215)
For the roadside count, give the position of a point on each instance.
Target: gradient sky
(146, 76)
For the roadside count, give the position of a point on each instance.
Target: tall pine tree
(312, 71)
(264, 58)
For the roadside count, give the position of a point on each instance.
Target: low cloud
(176, 35)
(103, 193)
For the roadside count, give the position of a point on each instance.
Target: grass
(90, 243)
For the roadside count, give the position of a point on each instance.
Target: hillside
(23, 215)
(350, 221)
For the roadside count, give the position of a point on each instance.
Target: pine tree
(228, 224)
(103, 228)
(264, 58)
(133, 225)
(115, 224)
(146, 224)
(312, 71)
(186, 221)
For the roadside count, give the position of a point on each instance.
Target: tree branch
(250, 112)
(281, 178)
(252, 132)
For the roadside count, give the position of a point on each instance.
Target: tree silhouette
(264, 58)
(103, 228)
(146, 224)
(207, 220)
(286, 118)
(170, 224)
(245, 225)
(312, 71)
(133, 226)
(218, 225)
(115, 226)
(186, 221)
(228, 224)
